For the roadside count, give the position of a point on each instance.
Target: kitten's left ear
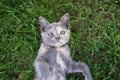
(43, 23)
(65, 20)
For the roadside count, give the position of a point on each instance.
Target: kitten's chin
(59, 44)
(56, 44)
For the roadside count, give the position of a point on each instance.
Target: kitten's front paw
(88, 78)
(36, 77)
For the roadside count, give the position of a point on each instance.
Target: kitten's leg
(80, 67)
(61, 76)
(42, 69)
(37, 77)
(55, 76)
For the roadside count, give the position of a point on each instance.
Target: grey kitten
(53, 61)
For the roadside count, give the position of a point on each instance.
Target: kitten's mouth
(58, 42)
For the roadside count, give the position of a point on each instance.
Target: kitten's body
(53, 61)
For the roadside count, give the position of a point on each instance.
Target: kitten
(53, 61)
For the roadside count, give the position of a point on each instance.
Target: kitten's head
(55, 34)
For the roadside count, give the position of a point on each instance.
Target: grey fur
(53, 61)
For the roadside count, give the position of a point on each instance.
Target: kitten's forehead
(56, 26)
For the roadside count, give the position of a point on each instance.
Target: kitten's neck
(54, 46)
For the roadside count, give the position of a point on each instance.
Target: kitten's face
(55, 34)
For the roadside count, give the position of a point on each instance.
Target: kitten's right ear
(65, 19)
(43, 23)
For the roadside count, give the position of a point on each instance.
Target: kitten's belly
(55, 58)
(60, 61)
(60, 70)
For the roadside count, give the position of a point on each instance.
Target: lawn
(95, 35)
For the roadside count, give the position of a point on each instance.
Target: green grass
(95, 35)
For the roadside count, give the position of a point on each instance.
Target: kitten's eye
(50, 34)
(62, 32)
